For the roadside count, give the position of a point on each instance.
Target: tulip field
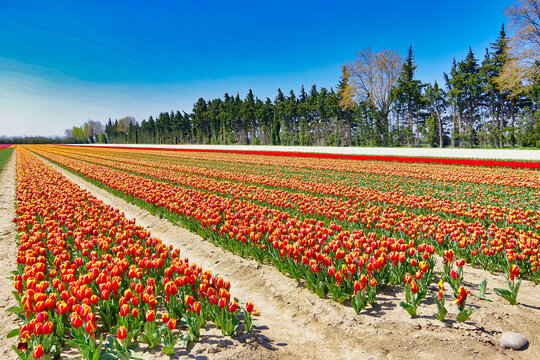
(90, 279)
(84, 271)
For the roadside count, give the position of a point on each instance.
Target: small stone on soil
(214, 350)
(513, 340)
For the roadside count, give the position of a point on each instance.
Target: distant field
(504, 154)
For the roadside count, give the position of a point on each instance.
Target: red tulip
(222, 303)
(188, 299)
(331, 271)
(121, 333)
(150, 315)
(48, 327)
(514, 271)
(90, 327)
(233, 306)
(124, 310)
(414, 287)
(38, 351)
(76, 320)
(165, 318)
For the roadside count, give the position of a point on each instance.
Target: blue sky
(64, 62)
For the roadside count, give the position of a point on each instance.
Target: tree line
(486, 101)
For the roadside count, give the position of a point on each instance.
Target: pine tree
(436, 104)
(408, 98)
(278, 113)
(346, 103)
(496, 99)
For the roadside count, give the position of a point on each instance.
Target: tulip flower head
(121, 332)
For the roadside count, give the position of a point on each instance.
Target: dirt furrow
(8, 256)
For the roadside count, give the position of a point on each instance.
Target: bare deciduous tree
(522, 69)
(123, 123)
(372, 77)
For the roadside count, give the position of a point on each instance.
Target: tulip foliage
(89, 278)
(344, 227)
(5, 153)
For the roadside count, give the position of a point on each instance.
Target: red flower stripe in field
(405, 159)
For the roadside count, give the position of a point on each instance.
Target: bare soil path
(296, 324)
(8, 256)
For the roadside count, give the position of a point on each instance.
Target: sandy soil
(296, 324)
(509, 154)
(8, 255)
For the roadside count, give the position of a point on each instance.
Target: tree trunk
(440, 130)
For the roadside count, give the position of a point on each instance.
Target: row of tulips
(333, 261)
(86, 275)
(491, 246)
(339, 201)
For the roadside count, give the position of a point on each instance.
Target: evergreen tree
(471, 89)
(408, 99)
(496, 99)
(436, 104)
(278, 114)
(456, 100)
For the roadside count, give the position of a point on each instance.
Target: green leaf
(405, 305)
(13, 333)
(320, 291)
(482, 286)
(441, 314)
(506, 295)
(481, 297)
(168, 350)
(14, 309)
(410, 309)
(464, 315)
(502, 292)
(108, 356)
(184, 341)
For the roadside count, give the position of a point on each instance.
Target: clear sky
(64, 62)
